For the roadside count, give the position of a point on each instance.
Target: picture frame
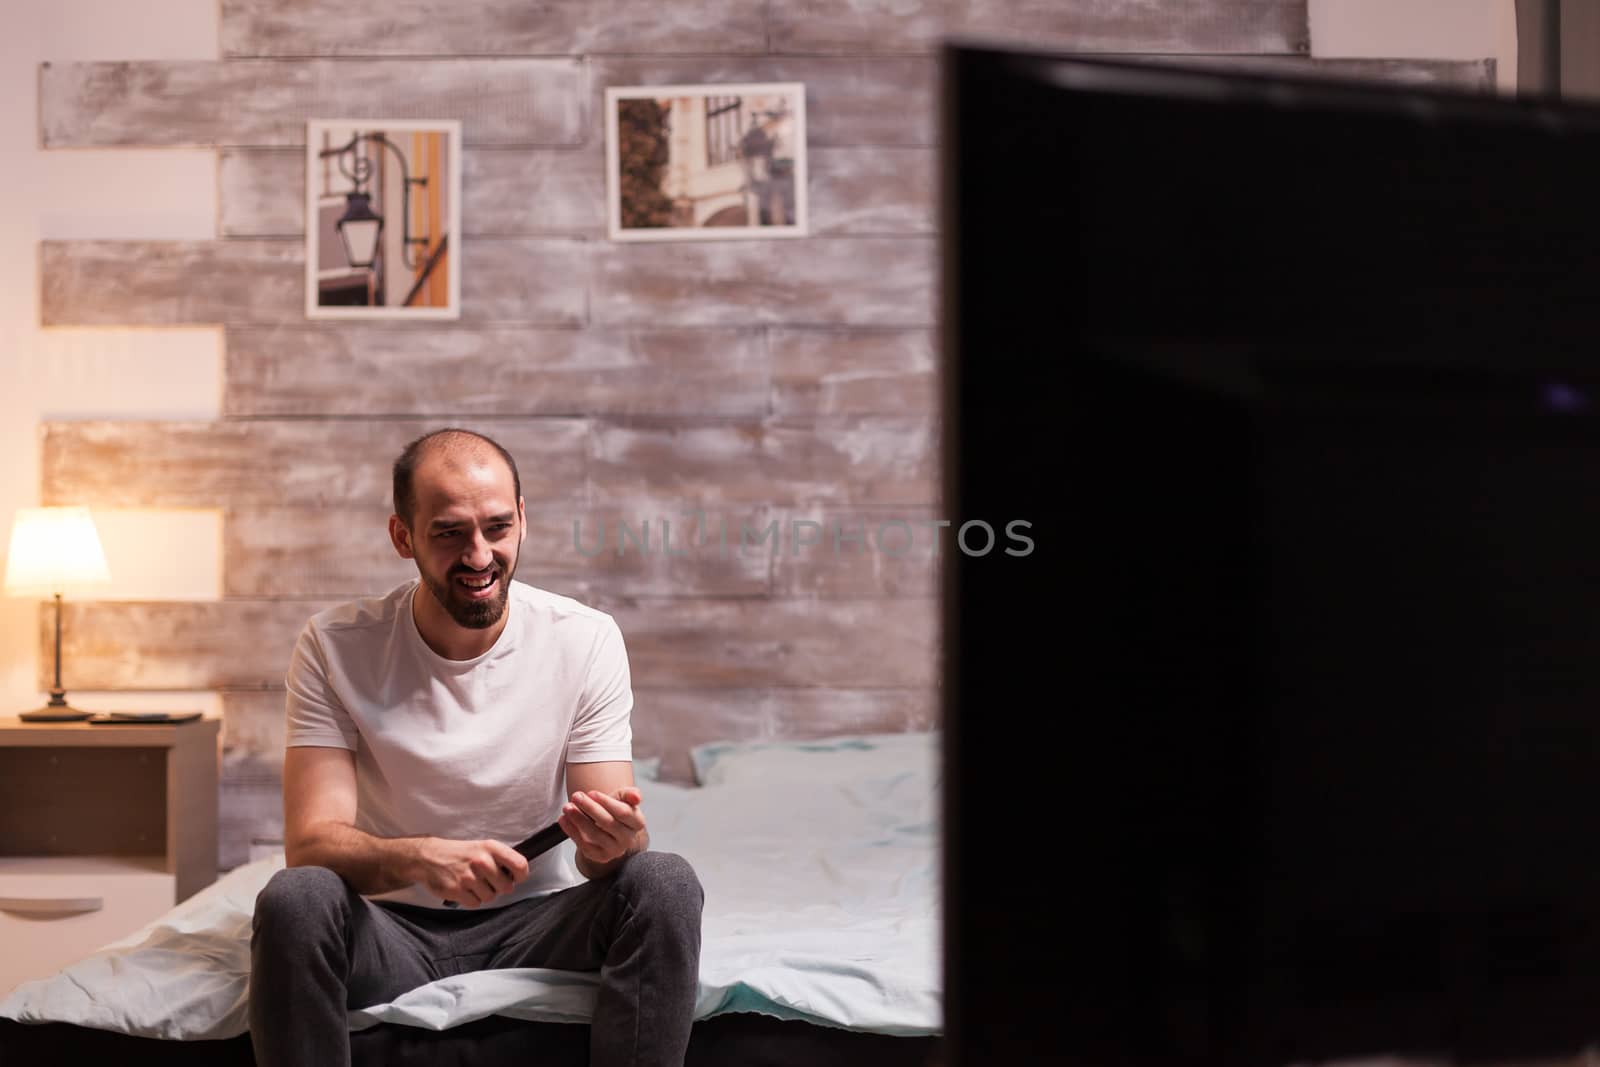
(706, 162)
(383, 219)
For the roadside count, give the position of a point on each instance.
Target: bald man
(428, 730)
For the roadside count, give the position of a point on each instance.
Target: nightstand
(102, 829)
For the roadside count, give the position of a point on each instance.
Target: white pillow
(857, 757)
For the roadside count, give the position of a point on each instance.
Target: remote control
(541, 842)
(538, 844)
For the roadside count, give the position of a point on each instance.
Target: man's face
(465, 536)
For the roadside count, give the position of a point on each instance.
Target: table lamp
(54, 551)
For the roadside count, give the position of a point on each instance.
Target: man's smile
(479, 586)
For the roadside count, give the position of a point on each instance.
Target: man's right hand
(469, 873)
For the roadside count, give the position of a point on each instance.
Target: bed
(820, 938)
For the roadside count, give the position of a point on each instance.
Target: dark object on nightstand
(135, 718)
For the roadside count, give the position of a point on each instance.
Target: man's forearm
(370, 864)
(600, 870)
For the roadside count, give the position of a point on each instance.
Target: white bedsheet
(821, 905)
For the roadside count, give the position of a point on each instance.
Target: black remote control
(541, 842)
(538, 844)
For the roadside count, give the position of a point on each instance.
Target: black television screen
(1282, 744)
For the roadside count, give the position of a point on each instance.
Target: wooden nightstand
(102, 829)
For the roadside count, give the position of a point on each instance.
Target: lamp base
(55, 713)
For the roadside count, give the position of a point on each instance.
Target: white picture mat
(615, 94)
(315, 128)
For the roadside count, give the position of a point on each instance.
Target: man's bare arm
(319, 810)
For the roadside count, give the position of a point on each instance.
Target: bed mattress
(735, 1040)
(820, 868)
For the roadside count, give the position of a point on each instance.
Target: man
(430, 729)
(756, 148)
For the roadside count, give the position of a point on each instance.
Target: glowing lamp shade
(54, 550)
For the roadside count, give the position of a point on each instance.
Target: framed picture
(383, 219)
(706, 162)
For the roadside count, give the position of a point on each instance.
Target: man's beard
(472, 614)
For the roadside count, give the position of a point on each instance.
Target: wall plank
(261, 192)
(885, 101)
(856, 26)
(1473, 75)
(854, 372)
(1142, 26)
(854, 553)
(251, 793)
(690, 643)
(505, 192)
(252, 733)
(673, 642)
(324, 552)
(267, 102)
(855, 281)
(822, 27)
(804, 714)
(166, 283)
(250, 810)
(540, 280)
(197, 644)
(863, 190)
(884, 461)
(271, 463)
(669, 722)
(537, 280)
(488, 27)
(367, 369)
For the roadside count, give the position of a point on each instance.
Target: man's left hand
(603, 826)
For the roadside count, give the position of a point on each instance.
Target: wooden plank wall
(788, 382)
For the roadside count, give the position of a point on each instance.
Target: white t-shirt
(464, 749)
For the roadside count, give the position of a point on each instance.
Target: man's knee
(297, 897)
(663, 882)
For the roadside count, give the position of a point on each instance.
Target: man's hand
(604, 827)
(469, 873)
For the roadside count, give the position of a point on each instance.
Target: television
(1279, 740)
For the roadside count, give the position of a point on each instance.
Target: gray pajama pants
(319, 948)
